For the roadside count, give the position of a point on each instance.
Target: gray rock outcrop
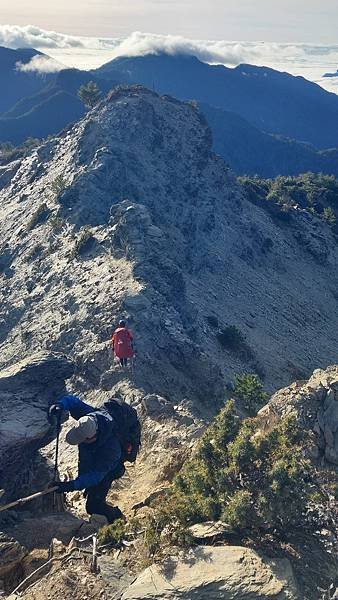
(211, 573)
(27, 389)
(11, 554)
(315, 404)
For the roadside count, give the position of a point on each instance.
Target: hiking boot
(113, 513)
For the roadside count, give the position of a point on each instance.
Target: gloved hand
(63, 486)
(54, 411)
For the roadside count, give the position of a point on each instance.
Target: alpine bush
(249, 389)
(89, 94)
(231, 337)
(315, 193)
(83, 242)
(329, 216)
(58, 186)
(256, 481)
(112, 534)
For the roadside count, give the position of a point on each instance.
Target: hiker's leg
(96, 496)
(96, 500)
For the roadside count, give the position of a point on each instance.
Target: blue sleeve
(88, 479)
(109, 458)
(76, 407)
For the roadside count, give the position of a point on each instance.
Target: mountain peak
(130, 209)
(142, 129)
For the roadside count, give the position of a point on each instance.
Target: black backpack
(128, 427)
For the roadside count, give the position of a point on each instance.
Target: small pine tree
(58, 186)
(249, 389)
(89, 94)
(329, 216)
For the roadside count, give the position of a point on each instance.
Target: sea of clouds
(309, 60)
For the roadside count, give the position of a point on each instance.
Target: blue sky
(269, 20)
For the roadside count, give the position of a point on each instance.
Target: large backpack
(128, 427)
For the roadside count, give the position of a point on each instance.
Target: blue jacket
(98, 459)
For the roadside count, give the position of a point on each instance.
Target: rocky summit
(129, 212)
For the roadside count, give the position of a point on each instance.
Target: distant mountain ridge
(37, 105)
(13, 81)
(253, 152)
(263, 122)
(272, 101)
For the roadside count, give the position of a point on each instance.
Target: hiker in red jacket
(122, 341)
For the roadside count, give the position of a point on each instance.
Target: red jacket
(122, 340)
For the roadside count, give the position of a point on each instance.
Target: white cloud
(309, 60)
(40, 64)
(13, 36)
(224, 52)
(139, 44)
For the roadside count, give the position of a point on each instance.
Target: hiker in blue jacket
(100, 455)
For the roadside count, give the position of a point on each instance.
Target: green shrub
(329, 216)
(56, 223)
(231, 337)
(256, 481)
(239, 510)
(89, 94)
(58, 186)
(112, 534)
(249, 389)
(314, 192)
(83, 242)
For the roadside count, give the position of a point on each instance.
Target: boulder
(136, 303)
(27, 389)
(210, 531)
(210, 573)
(156, 407)
(39, 531)
(115, 576)
(11, 554)
(315, 405)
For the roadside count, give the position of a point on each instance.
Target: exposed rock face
(315, 403)
(211, 573)
(27, 389)
(11, 554)
(169, 242)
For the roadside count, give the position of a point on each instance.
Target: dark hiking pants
(96, 497)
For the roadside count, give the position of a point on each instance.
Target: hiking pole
(28, 498)
(57, 498)
(58, 429)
